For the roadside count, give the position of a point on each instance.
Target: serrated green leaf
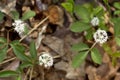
(3, 52)
(15, 15)
(68, 6)
(82, 12)
(79, 26)
(117, 5)
(28, 15)
(96, 56)
(8, 73)
(33, 51)
(79, 59)
(80, 47)
(1, 16)
(19, 51)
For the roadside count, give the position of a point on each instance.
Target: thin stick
(27, 74)
(30, 78)
(7, 60)
(34, 28)
(58, 56)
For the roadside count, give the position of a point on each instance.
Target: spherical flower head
(19, 26)
(95, 21)
(100, 36)
(46, 59)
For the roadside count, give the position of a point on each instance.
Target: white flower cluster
(19, 26)
(95, 21)
(46, 59)
(100, 36)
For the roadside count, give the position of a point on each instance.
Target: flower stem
(92, 47)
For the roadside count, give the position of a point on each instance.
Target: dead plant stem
(30, 78)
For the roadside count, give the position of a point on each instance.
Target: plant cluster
(95, 21)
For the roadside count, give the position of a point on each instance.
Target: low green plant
(27, 61)
(82, 15)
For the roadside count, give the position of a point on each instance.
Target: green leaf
(117, 39)
(68, 6)
(98, 11)
(89, 7)
(114, 61)
(117, 5)
(96, 56)
(3, 52)
(18, 78)
(70, 1)
(105, 1)
(102, 25)
(89, 35)
(116, 22)
(19, 51)
(1, 16)
(28, 15)
(82, 12)
(25, 65)
(79, 59)
(107, 49)
(117, 12)
(80, 47)
(15, 15)
(3, 40)
(26, 30)
(79, 26)
(8, 73)
(33, 51)
(116, 54)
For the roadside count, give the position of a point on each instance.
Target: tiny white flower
(100, 36)
(19, 26)
(95, 21)
(46, 59)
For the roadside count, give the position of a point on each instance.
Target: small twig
(34, 28)
(7, 60)
(30, 78)
(58, 56)
(27, 74)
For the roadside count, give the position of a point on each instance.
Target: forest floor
(56, 39)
